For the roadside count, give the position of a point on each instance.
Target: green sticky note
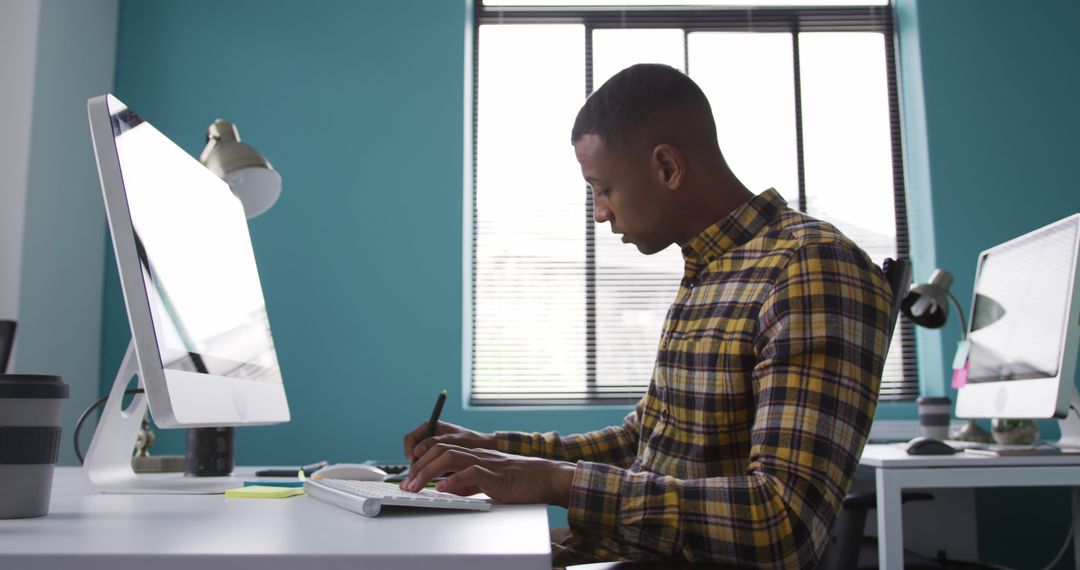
(963, 349)
(263, 492)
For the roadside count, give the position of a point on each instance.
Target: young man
(766, 377)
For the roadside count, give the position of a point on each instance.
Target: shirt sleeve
(821, 343)
(615, 445)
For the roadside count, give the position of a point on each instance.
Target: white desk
(89, 531)
(895, 471)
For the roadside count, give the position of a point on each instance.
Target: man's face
(627, 193)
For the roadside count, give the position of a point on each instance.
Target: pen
(434, 421)
(431, 425)
(307, 469)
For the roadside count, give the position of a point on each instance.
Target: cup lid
(32, 386)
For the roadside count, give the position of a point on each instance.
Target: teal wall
(1000, 83)
(360, 106)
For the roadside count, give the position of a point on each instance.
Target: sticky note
(963, 349)
(960, 364)
(960, 376)
(263, 492)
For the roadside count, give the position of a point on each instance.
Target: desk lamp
(247, 172)
(927, 305)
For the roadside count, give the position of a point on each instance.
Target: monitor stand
(107, 467)
(1070, 424)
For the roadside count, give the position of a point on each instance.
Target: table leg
(890, 521)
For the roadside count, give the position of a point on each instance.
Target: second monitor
(1024, 330)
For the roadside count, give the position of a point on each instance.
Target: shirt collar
(733, 230)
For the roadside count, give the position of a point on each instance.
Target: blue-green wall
(360, 106)
(1001, 86)
(1001, 81)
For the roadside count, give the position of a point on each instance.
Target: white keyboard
(368, 497)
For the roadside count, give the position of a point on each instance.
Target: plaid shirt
(765, 385)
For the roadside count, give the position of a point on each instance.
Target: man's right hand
(416, 445)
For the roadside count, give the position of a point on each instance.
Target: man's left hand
(503, 477)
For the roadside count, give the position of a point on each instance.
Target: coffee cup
(30, 407)
(934, 415)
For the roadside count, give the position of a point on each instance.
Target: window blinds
(561, 311)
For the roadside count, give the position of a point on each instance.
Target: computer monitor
(200, 335)
(1024, 328)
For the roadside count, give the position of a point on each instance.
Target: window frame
(791, 20)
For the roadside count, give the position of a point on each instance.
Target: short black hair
(645, 105)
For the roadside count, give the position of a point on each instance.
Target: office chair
(7, 341)
(842, 551)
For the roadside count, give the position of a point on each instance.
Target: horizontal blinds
(562, 311)
(764, 19)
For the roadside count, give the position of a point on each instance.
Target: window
(561, 311)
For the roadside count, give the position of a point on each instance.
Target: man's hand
(503, 477)
(416, 445)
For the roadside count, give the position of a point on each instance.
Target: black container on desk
(209, 452)
(30, 406)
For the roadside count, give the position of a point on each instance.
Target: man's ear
(669, 165)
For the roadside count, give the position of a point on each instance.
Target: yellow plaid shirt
(765, 385)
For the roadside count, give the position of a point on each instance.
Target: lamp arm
(960, 312)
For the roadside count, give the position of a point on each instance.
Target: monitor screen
(1022, 293)
(196, 259)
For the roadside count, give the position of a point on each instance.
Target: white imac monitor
(1025, 327)
(201, 341)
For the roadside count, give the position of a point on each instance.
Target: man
(766, 376)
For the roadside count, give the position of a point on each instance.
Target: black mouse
(929, 446)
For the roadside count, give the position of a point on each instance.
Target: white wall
(63, 249)
(18, 53)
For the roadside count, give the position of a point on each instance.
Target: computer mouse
(351, 472)
(929, 446)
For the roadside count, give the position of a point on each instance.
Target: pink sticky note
(960, 376)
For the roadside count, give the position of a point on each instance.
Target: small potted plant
(1012, 431)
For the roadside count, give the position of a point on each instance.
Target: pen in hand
(432, 424)
(434, 421)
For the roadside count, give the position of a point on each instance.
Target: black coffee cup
(30, 407)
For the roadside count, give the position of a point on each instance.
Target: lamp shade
(927, 304)
(247, 172)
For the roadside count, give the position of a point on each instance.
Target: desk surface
(895, 471)
(88, 530)
(893, 456)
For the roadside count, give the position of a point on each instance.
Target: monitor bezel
(177, 398)
(1036, 398)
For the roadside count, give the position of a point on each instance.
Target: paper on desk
(263, 492)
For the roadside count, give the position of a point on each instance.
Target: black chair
(843, 548)
(845, 540)
(7, 341)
